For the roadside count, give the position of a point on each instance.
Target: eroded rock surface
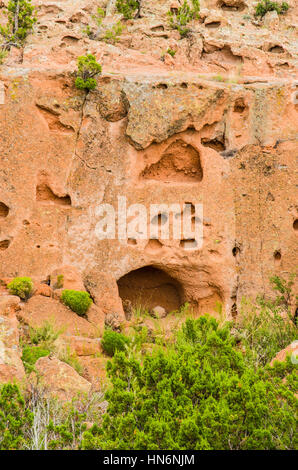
(212, 123)
(59, 379)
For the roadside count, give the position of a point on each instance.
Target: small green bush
(267, 5)
(21, 286)
(88, 68)
(112, 342)
(185, 14)
(129, 8)
(31, 354)
(76, 300)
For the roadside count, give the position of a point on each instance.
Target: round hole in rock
(239, 106)
(295, 224)
(131, 241)
(150, 287)
(4, 210)
(4, 244)
(277, 255)
(236, 251)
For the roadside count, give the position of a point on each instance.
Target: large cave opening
(149, 287)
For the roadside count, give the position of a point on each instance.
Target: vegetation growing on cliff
(88, 68)
(267, 5)
(21, 18)
(129, 8)
(77, 301)
(21, 286)
(181, 17)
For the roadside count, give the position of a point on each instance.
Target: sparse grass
(263, 332)
(3, 55)
(41, 342)
(112, 35)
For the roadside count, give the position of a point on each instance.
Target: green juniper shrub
(21, 18)
(113, 341)
(21, 286)
(88, 68)
(183, 16)
(129, 8)
(31, 354)
(76, 300)
(197, 395)
(15, 418)
(267, 5)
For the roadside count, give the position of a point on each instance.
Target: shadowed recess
(179, 162)
(150, 287)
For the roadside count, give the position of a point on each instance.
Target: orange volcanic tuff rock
(59, 379)
(214, 124)
(11, 365)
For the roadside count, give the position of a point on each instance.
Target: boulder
(70, 278)
(291, 350)
(9, 304)
(11, 365)
(80, 345)
(39, 310)
(59, 379)
(159, 312)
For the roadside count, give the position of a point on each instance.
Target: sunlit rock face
(214, 125)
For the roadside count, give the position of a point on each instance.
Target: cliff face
(213, 125)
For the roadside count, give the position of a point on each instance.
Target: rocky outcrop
(40, 309)
(59, 379)
(11, 366)
(212, 123)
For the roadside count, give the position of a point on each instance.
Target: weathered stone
(9, 304)
(59, 379)
(159, 312)
(11, 365)
(67, 277)
(291, 350)
(39, 310)
(207, 119)
(80, 345)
